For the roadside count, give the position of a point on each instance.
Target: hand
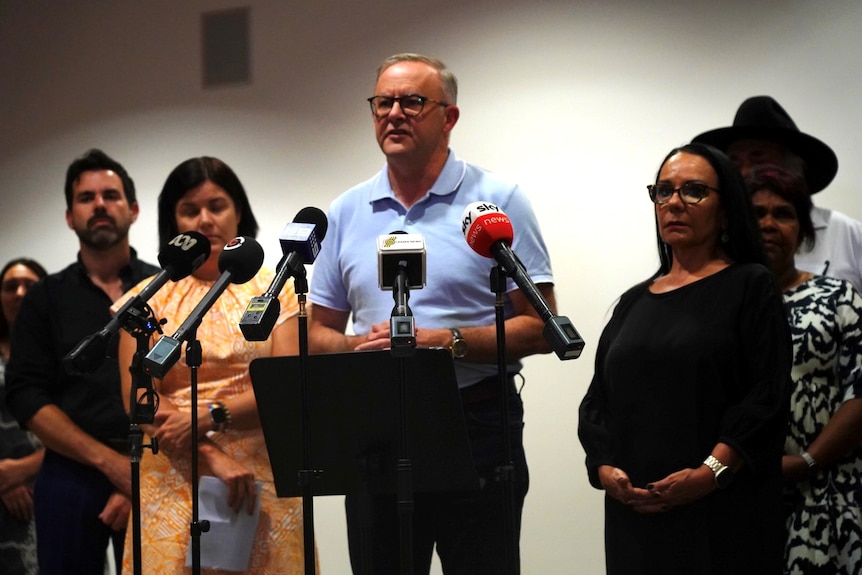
(173, 431)
(239, 480)
(19, 502)
(117, 469)
(378, 337)
(12, 474)
(677, 489)
(617, 485)
(116, 512)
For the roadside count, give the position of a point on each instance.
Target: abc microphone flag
(179, 258)
(238, 262)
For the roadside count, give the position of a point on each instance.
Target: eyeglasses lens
(690, 192)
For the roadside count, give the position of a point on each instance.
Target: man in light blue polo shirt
(424, 189)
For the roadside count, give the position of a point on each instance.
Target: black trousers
(67, 500)
(468, 529)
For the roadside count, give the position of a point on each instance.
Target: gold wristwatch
(459, 344)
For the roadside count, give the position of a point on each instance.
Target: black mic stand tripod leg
(403, 346)
(505, 472)
(307, 475)
(194, 358)
(405, 477)
(142, 409)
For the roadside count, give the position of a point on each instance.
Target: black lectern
(354, 422)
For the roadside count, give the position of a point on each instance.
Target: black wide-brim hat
(762, 118)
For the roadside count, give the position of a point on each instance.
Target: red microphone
(483, 224)
(489, 232)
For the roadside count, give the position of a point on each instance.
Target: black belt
(486, 389)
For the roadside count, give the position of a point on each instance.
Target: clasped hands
(174, 434)
(677, 489)
(379, 337)
(15, 493)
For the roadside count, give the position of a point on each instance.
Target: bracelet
(812, 463)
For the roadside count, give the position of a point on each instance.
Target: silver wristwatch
(723, 474)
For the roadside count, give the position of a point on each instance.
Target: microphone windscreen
(483, 225)
(312, 215)
(242, 257)
(184, 254)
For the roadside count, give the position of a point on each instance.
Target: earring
(724, 237)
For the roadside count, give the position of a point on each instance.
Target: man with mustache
(81, 495)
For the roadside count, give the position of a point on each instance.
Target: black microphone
(239, 261)
(300, 243)
(401, 266)
(179, 258)
(489, 232)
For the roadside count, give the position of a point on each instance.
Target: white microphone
(400, 250)
(300, 243)
(489, 232)
(239, 261)
(400, 267)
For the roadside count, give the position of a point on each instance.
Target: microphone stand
(139, 323)
(307, 475)
(505, 472)
(194, 358)
(403, 347)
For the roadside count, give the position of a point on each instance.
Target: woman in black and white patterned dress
(822, 465)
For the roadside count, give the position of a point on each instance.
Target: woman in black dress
(684, 420)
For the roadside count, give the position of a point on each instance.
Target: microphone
(396, 250)
(300, 243)
(239, 261)
(401, 266)
(179, 258)
(489, 232)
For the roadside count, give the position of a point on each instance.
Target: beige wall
(578, 101)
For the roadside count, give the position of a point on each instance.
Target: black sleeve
(31, 372)
(594, 420)
(756, 424)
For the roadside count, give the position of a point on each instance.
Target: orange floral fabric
(165, 480)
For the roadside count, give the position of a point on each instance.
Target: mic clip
(136, 317)
(402, 339)
(402, 326)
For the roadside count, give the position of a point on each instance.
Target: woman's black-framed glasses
(411, 104)
(689, 192)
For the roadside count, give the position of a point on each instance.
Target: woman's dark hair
(33, 266)
(191, 174)
(743, 236)
(792, 189)
(93, 160)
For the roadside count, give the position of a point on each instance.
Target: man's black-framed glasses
(689, 192)
(411, 104)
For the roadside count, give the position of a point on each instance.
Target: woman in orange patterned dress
(204, 195)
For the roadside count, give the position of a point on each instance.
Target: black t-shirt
(55, 315)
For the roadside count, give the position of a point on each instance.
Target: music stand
(354, 422)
